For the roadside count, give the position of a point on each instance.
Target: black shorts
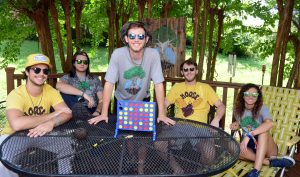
(251, 144)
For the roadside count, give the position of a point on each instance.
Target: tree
(284, 27)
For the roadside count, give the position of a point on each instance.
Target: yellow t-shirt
(33, 106)
(192, 101)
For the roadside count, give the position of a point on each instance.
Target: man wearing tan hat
(28, 106)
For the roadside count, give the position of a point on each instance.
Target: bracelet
(98, 112)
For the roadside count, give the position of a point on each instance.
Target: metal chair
(284, 106)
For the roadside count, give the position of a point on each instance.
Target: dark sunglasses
(139, 36)
(86, 62)
(187, 69)
(247, 94)
(37, 70)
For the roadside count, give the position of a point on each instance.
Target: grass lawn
(247, 70)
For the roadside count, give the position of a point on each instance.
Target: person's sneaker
(79, 111)
(253, 173)
(284, 161)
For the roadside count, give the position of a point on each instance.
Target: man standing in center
(133, 67)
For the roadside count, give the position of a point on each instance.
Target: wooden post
(10, 79)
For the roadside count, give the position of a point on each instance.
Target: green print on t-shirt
(134, 78)
(248, 124)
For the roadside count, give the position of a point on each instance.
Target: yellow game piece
(141, 109)
(120, 113)
(140, 123)
(125, 122)
(135, 127)
(125, 109)
(95, 145)
(120, 126)
(146, 110)
(130, 122)
(130, 109)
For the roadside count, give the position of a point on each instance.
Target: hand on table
(166, 120)
(41, 129)
(97, 119)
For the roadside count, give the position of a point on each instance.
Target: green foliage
(14, 29)
(134, 72)
(94, 22)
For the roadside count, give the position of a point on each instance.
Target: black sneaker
(79, 111)
(284, 161)
(253, 173)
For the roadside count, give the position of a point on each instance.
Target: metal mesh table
(198, 150)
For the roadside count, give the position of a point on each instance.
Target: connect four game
(136, 116)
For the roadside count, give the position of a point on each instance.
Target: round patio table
(186, 149)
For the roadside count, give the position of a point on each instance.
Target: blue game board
(136, 116)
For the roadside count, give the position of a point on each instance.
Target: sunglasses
(187, 69)
(139, 36)
(86, 62)
(251, 94)
(37, 70)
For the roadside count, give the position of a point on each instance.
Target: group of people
(132, 67)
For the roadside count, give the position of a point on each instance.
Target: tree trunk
(196, 26)
(67, 11)
(210, 42)
(111, 12)
(294, 75)
(220, 29)
(54, 15)
(150, 5)
(286, 30)
(283, 23)
(40, 17)
(166, 9)
(141, 8)
(78, 11)
(203, 39)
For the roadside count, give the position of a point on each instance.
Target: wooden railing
(226, 91)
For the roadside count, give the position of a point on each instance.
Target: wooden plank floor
(295, 170)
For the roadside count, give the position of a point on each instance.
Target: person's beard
(190, 80)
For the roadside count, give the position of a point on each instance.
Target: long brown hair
(239, 106)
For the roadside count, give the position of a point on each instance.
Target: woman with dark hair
(253, 117)
(80, 86)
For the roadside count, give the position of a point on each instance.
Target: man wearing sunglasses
(28, 106)
(192, 101)
(81, 90)
(133, 67)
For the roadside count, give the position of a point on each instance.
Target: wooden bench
(226, 91)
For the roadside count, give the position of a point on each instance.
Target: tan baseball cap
(38, 58)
